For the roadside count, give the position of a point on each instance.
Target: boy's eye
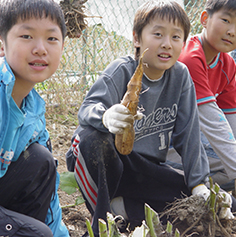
(158, 34)
(26, 37)
(225, 20)
(176, 37)
(52, 39)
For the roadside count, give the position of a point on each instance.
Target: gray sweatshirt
(170, 114)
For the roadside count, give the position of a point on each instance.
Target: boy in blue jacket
(32, 36)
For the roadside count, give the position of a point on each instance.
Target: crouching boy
(122, 184)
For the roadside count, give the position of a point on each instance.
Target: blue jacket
(33, 128)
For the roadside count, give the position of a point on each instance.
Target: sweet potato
(124, 142)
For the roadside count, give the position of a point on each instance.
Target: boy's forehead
(33, 17)
(34, 24)
(224, 12)
(38, 20)
(229, 12)
(166, 19)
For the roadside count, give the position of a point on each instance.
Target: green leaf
(68, 183)
(79, 201)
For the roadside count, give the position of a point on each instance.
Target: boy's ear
(204, 18)
(136, 40)
(2, 53)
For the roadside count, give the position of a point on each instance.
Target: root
(193, 225)
(192, 217)
(224, 231)
(74, 16)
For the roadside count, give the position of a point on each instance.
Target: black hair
(213, 6)
(13, 10)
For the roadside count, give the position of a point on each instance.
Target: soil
(188, 213)
(75, 216)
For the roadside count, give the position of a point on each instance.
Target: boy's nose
(39, 48)
(166, 44)
(232, 31)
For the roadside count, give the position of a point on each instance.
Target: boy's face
(33, 50)
(220, 31)
(164, 40)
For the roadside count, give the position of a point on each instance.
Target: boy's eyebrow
(230, 14)
(157, 27)
(26, 27)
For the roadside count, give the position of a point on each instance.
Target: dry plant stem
(80, 12)
(175, 206)
(226, 234)
(175, 220)
(194, 224)
(124, 142)
(212, 229)
(74, 17)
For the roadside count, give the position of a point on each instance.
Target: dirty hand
(225, 212)
(201, 190)
(116, 118)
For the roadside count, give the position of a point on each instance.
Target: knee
(97, 146)
(17, 224)
(96, 139)
(91, 134)
(41, 158)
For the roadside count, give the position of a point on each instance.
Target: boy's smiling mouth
(164, 55)
(38, 64)
(227, 41)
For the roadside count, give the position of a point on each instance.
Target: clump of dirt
(192, 217)
(75, 220)
(74, 14)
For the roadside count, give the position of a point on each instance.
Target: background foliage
(108, 36)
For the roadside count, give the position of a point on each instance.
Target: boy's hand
(225, 212)
(138, 116)
(116, 118)
(201, 190)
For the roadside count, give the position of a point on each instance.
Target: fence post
(84, 58)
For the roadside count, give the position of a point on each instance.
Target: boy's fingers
(138, 116)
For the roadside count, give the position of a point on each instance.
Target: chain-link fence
(108, 36)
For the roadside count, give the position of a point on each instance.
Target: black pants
(29, 183)
(19, 225)
(102, 174)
